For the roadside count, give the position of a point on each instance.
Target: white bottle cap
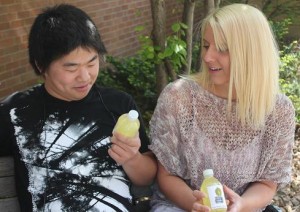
(208, 173)
(133, 114)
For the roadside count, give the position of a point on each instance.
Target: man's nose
(84, 74)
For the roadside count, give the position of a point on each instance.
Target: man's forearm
(141, 170)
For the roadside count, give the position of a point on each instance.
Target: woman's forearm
(258, 195)
(175, 189)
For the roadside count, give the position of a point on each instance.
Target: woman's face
(71, 77)
(217, 62)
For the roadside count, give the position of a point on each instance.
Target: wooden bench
(8, 197)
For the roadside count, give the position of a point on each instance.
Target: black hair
(57, 31)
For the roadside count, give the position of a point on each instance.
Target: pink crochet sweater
(190, 132)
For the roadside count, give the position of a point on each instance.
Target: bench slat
(9, 205)
(6, 166)
(7, 185)
(8, 197)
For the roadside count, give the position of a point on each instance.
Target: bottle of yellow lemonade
(213, 189)
(128, 124)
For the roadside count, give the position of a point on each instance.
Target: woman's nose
(208, 55)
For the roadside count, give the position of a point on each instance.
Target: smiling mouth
(215, 69)
(82, 86)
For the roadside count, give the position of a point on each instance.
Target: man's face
(71, 77)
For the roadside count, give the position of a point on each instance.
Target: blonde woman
(230, 117)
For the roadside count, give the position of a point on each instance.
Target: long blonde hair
(254, 67)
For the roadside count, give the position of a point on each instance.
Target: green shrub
(134, 76)
(175, 49)
(281, 29)
(290, 74)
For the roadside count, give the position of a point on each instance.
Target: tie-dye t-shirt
(60, 150)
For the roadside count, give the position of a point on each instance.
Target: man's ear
(40, 70)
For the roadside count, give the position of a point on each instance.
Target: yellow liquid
(214, 195)
(126, 126)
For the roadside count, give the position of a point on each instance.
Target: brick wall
(115, 19)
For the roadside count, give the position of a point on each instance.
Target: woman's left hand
(235, 201)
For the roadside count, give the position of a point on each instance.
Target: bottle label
(216, 197)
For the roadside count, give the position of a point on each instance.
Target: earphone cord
(102, 101)
(46, 160)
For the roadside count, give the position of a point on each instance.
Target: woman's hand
(198, 206)
(256, 196)
(235, 201)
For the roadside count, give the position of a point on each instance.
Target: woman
(229, 117)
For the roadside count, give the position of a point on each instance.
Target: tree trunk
(256, 3)
(209, 5)
(170, 71)
(159, 39)
(188, 19)
(217, 3)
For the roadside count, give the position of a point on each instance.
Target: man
(60, 132)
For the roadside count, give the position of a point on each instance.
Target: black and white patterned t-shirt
(60, 150)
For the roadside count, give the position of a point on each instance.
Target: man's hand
(124, 149)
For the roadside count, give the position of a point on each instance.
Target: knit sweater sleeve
(165, 133)
(278, 168)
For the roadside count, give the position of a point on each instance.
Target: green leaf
(178, 48)
(168, 52)
(175, 27)
(161, 56)
(139, 28)
(150, 55)
(184, 26)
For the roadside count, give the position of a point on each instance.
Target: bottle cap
(208, 173)
(133, 114)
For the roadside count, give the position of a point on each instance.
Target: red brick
(7, 2)
(5, 92)
(4, 26)
(11, 81)
(5, 75)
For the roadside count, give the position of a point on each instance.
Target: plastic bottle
(128, 124)
(213, 189)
